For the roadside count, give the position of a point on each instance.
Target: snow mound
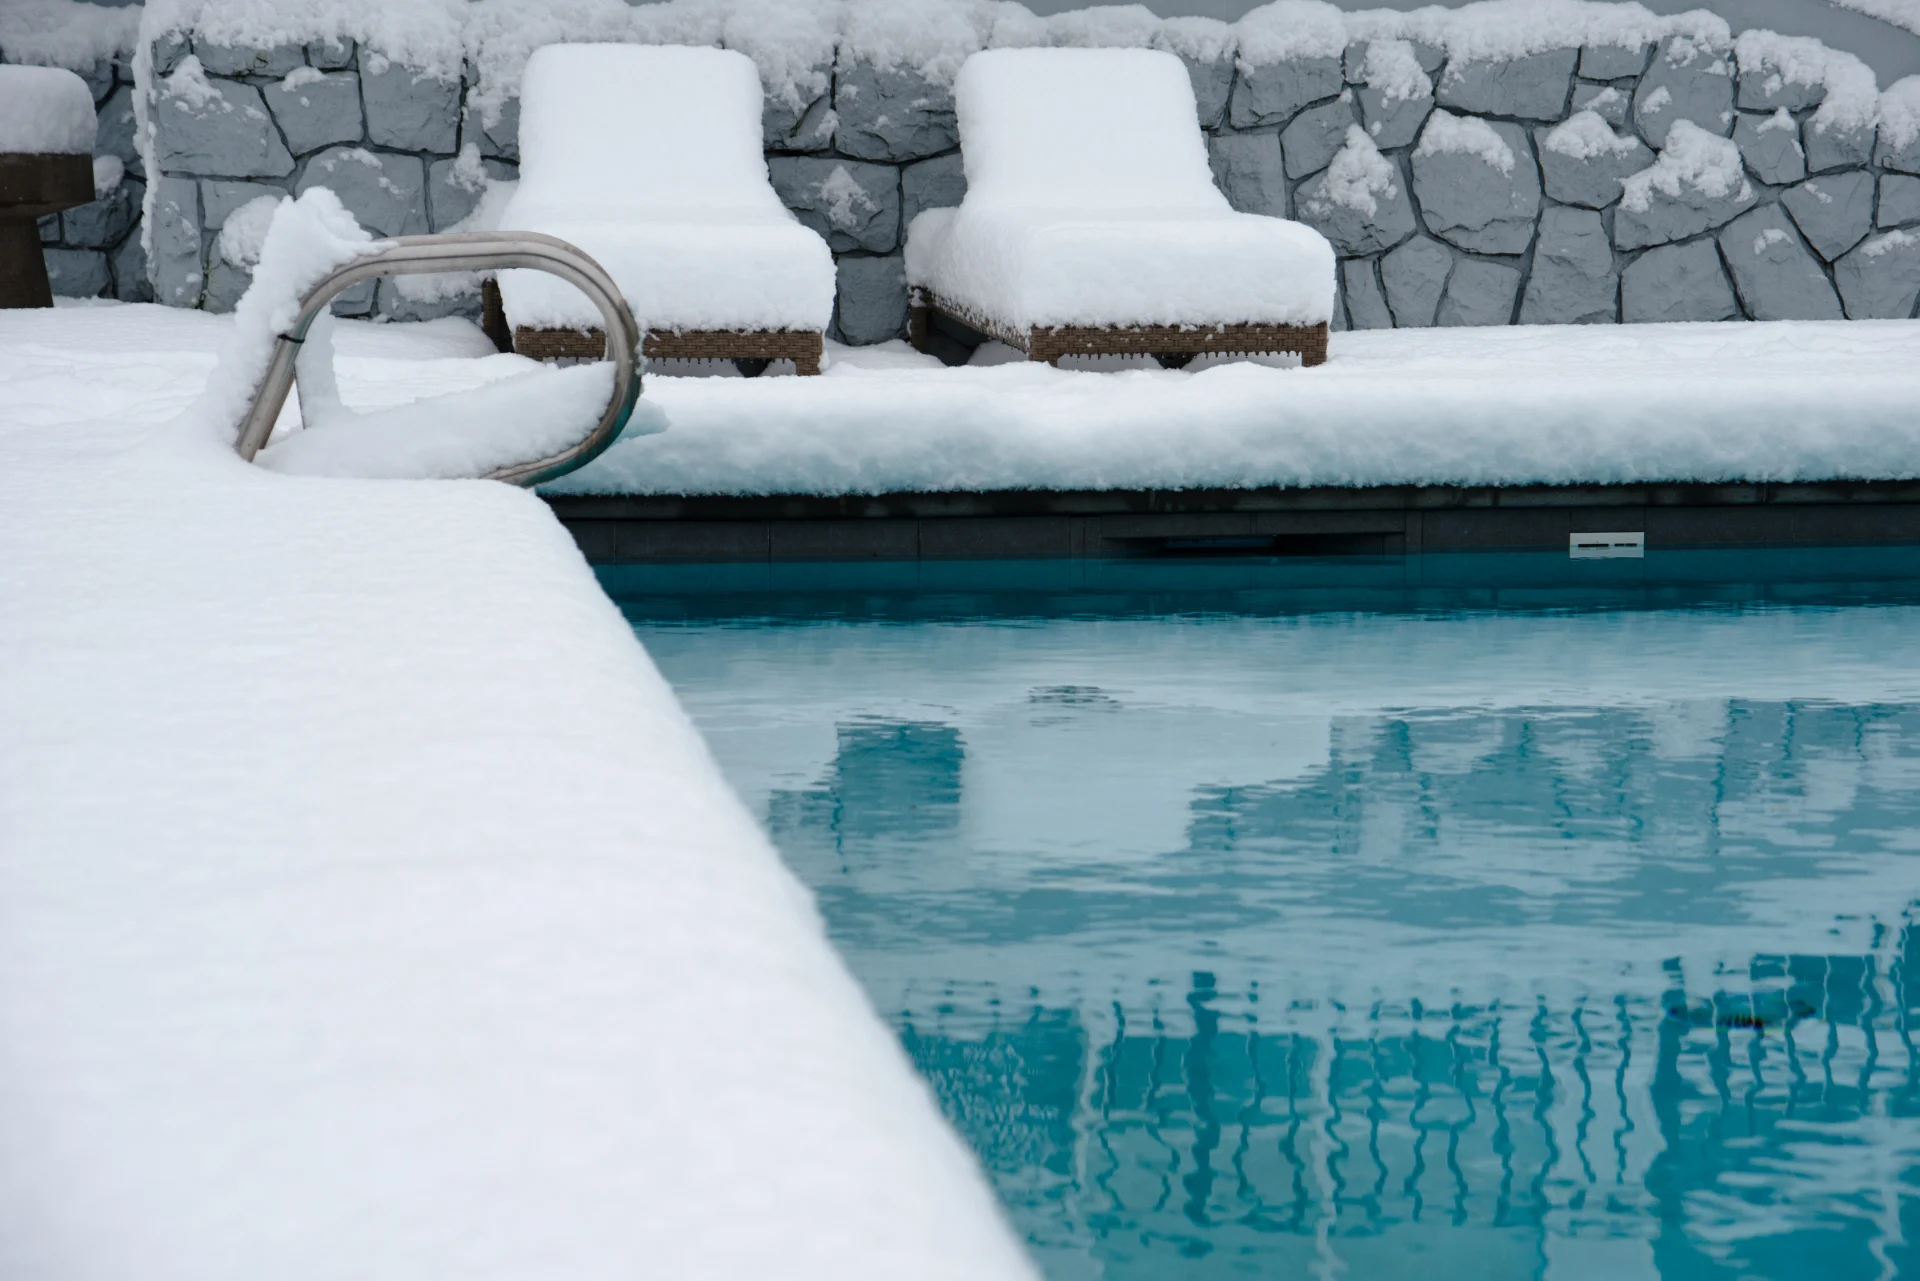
(244, 234)
(1124, 227)
(1692, 161)
(1358, 177)
(48, 112)
(1464, 135)
(649, 158)
(1852, 93)
(1393, 69)
(1507, 29)
(61, 33)
(1585, 135)
(108, 172)
(1900, 114)
(1288, 29)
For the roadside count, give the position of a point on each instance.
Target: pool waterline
(1544, 922)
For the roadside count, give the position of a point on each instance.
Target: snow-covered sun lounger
(649, 158)
(1092, 225)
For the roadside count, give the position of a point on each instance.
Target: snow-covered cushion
(45, 111)
(649, 158)
(1090, 202)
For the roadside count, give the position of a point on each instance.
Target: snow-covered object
(1900, 114)
(1585, 136)
(1358, 178)
(368, 905)
(45, 111)
(1693, 161)
(649, 159)
(244, 233)
(1124, 225)
(1789, 71)
(107, 174)
(1448, 134)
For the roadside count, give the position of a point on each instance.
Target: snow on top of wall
(1288, 29)
(1585, 135)
(1518, 28)
(49, 111)
(1852, 91)
(1465, 135)
(1202, 39)
(931, 37)
(427, 35)
(1394, 69)
(1358, 178)
(1901, 13)
(1693, 160)
(1900, 113)
(61, 33)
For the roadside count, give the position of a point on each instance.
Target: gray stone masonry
(1574, 281)
(1677, 282)
(1316, 135)
(408, 110)
(1480, 292)
(939, 183)
(1273, 94)
(1834, 211)
(386, 192)
(1366, 305)
(1532, 88)
(1452, 239)
(1770, 145)
(1248, 170)
(872, 299)
(1776, 276)
(1881, 279)
(1593, 181)
(1899, 201)
(1685, 82)
(78, 273)
(1415, 276)
(892, 115)
(1476, 205)
(317, 111)
(227, 136)
(855, 206)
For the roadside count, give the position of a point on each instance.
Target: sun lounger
(1092, 225)
(649, 159)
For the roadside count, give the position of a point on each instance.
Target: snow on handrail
(470, 251)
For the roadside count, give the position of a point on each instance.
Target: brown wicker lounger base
(750, 350)
(1171, 345)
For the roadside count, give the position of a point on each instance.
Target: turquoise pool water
(1509, 919)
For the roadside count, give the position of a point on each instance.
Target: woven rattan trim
(1052, 342)
(802, 347)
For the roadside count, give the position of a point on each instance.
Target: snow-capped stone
(1677, 282)
(892, 114)
(1688, 80)
(1366, 307)
(870, 299)
(1696, 184)
(316, 109)
(408, 109)
(1358, 202)
(331, 55)
(1532, 88)
(385, 192)
(1834, 211)
(217, 128)
(1836, 146)
(941, 183)
(249, 60)
(1248, 170)
(168, 51)
(1898, 150)
(852, 204)
(129, 263)
(1415, 277)
(77, 273)
(220, 197)
(454, 187)
(1899, 200)
(1316, 135)
(1584, 162)
(1479, 293)
(1774, 274)
(1573, 280)
(1395, 93)
(1766, 89)
(1771, 147)
(175, 263)
(101, 223)
(1612, 61)
(1274, 93)
(1477, 182)
(1881, 279)
(1606, 101)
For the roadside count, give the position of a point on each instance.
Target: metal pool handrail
(470, 251)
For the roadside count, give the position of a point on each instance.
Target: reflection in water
(1377, 946)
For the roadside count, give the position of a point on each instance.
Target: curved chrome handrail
(470, 251)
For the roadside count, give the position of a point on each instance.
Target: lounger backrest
(607, 129)
(1082, 128)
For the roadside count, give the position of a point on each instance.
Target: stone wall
(1550, 188)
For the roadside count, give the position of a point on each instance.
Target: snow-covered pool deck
(368, 907)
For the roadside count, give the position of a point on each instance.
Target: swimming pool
(1530, 920)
